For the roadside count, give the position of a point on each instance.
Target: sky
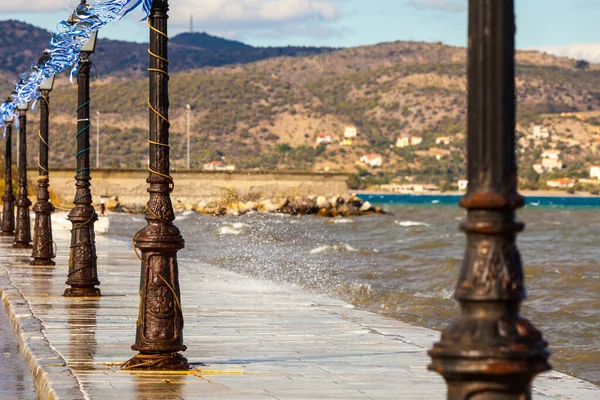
(562, 27)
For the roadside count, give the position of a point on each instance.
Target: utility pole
(189, 112)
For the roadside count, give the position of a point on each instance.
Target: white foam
(410, 223)
(239, 225)
(334, 247)
(343, 221)
(227, 230)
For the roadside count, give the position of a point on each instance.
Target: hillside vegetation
(267, 114)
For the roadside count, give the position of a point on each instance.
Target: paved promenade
(247, 339)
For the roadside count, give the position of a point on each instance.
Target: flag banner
(65, 47)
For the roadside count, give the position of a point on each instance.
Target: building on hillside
(562, 183)
(442, 140)
(551, 164)
(439, 154)
(538, 168)
(551, 153)
(463, 184)
(408, 188)
(372, 159)
(405, 141)
(540, 132)
(217, 166)
(350, 132)
(324, 138)
(595, 171)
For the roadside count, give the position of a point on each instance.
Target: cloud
(259, 18)
(589, 52)
(439, 5)
(231, 18)
(37, 6)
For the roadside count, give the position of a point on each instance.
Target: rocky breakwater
(341, 205)
(344, 206)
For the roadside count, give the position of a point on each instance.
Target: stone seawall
(130, 184)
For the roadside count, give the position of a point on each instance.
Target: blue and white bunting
(65, 46)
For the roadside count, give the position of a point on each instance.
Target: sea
(405, 264)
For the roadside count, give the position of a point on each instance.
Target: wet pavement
(15, 378)
(247, 339)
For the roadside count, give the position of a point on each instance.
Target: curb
(42, 358)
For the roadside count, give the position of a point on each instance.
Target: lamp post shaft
(8, 199)
(159, 334)
(23, 224)
(83, 273)
(98, 140)
(490, 352)
(43, 250)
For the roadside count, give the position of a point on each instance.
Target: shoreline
(525, 193)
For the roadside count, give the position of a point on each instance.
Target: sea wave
(411, 223)
(333, 247)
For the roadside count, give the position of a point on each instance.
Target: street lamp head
(188, 107)
(23, 107)
(75, 18)
(90, 45)
(48, 84)
(98, 113)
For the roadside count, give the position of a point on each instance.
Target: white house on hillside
(551, 153)
(324, 138)
(550, 164)
(350, 132)
(563, 183)
(442, 140)
(595, 171)
(405, 141)
(540, 133)
(372, 159)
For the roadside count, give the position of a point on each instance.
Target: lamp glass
(90, 45)
(48, 84)
(23, 107)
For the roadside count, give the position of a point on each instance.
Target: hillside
(267, 114)
(114, 58)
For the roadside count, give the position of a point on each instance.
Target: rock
(324, 212)
(348, 210)
(321, 201)
(247, 207)
(306, 206)
(268, 206)
(366, 206)
(356, 201)
(112, 205)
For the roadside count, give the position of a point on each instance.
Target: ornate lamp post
(8, 199)
(159, 335)
(23, 225)
(490, 352)
(83, 273)
(43, 253)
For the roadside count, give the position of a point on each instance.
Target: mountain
(208, 42)
(268, 114)
(115, 58)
